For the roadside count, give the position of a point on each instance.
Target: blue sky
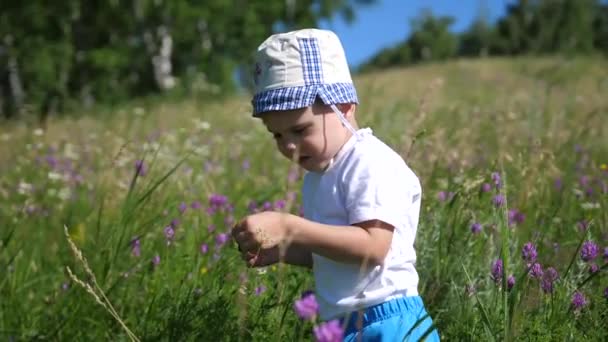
(387, 22)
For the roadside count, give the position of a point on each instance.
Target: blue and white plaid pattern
(311, 61)
(303, 96)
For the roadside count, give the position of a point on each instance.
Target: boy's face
(310, 136)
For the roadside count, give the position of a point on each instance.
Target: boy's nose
(290, 146)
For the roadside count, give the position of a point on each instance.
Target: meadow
(114, 225)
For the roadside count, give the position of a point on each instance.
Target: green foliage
(105, 51)
(532, 121)
(528, 27)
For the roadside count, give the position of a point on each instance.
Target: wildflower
(217, 201)
(196, 205)
(267, 206)
(582, 225)
(578, 300)
(329, 331)
(182, 207)
(606, 293)
(486, 187)
(528, 252)
(496, 180)
(589, 251)
(211, 228)
(584, 181)
(498, 200)
(156, 260)
(280, 204)
(169, 232)
(476, 228)
(306, 307)
(204, 248)
(593, 268)
(252, 206)
(135, 248)
(497, 271)
(558, 184)
(260, 289)
(516, 217)
(606, 254)
(246, 165)
(442, 196)
(65, 286)
(221, 239)
(140, 168)
(536, 271)
(175, 223)
(510, 282)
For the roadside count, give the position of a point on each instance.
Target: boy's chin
(314, 166)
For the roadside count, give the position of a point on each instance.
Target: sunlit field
(512, 242)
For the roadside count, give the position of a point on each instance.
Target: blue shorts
(400, 319)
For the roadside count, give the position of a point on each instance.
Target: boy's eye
(299, 130)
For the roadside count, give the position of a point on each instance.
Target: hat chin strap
(345, 122)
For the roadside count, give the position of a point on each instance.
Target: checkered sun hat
(293, 68)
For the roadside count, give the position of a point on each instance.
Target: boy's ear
(348, 109)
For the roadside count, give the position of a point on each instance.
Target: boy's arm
(366, 243)
(298, 255)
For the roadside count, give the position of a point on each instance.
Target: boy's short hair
(293, 69)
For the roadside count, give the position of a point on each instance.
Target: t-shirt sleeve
(376, 189)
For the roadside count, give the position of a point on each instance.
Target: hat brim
(290, 98)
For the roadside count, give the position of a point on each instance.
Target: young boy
(361, 201)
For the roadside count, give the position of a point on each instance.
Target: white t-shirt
(366, 181)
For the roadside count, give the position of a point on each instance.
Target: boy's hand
(264, 257)
(260, 231)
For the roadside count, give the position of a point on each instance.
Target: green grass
(534, 121)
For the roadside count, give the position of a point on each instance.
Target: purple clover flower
(267, 206)
(252, 206)
(589, 251)
(578, 300)
(306, 307)
(136, 248)
(528, 252)
(498, 200)
(204, 248)
(260, 289)
(496, 180)
(476, 228)
(182, 207)
(169, 233)
(510, 282)
(516, 217)
(196, 205)
(140, 168)
(536, 271)
(486, 187)
(329, 331)
(582, 225)
(280, 204)
(217, 201)
(593, 268)
(558, 184)
(221, 239)
(175, 223)
(550, 276)
(156, 260)
(496, 272)
(606, 254)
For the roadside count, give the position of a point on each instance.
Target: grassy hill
(541, 124)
